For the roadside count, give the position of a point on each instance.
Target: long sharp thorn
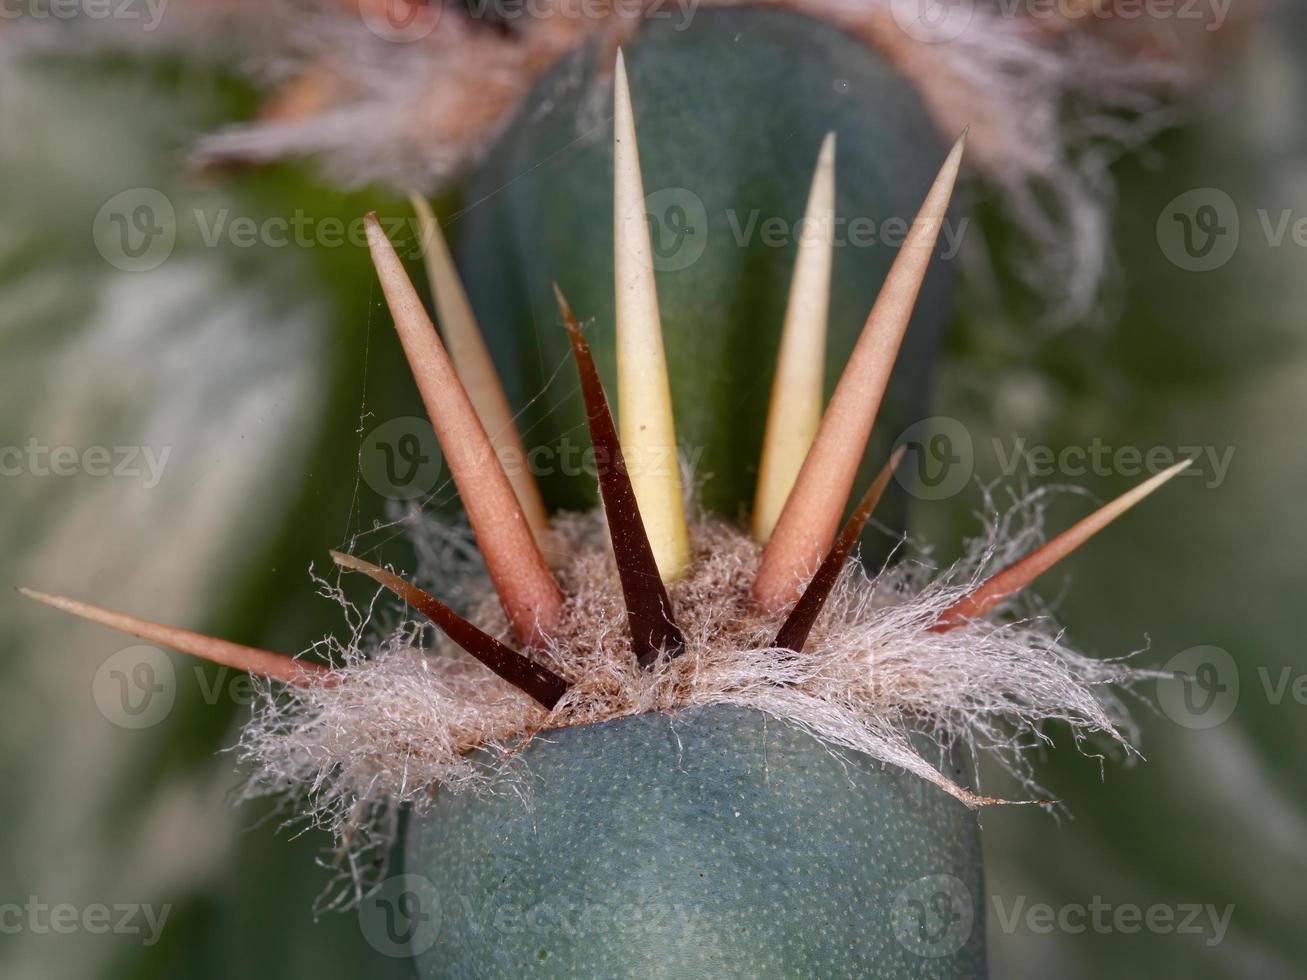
(797, 390)
(812, 512)
(467, 349)
(1021, 573)
(794, 631)
(648, 607)
(526, 587)
(522, 672)
(644, 400)
(260, 662)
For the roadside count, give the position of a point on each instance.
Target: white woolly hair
(1050, 105)
(1052, 100)
(408, 709)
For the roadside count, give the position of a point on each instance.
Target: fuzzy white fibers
(1052, 96)
(407, 708)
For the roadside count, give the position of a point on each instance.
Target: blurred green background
(262, 369)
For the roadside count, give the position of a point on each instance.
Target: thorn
(525, 585)
(260, 662)
(811, 514)
(794, 632)
(648, 607)
(472, 361)
(644, 400)
(1021, 573)
(797, 391)
(522, 672)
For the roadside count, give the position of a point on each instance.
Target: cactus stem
(527, 589)
(797, 390)
(794, 631)
(467, 349)
(644, 399)
(261, 662)
(811, 514)
(1021, 573)
(522, 672)
(648, 607)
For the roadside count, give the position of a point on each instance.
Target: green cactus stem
(710, 843)
(731, 113)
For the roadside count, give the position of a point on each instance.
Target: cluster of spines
(810, 455)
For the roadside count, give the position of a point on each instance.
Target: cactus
(717, 742)
(731, 112)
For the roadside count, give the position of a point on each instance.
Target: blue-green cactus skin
(716, 842)
(730, 114)
(712, 843)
